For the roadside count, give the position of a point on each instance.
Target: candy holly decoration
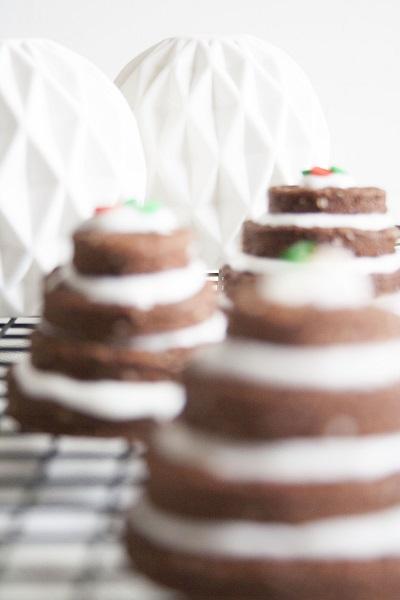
(322, 172)
(149, 207)
(316, 171)
(299, 252)
(99, 210)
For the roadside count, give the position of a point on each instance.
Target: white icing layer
(109, 399)
(390, 302)
(387, 263)
(339, 367)
(124, 219)
(210, 331)
(207, 332)
(291, 460)
(326, 281)
(141, 290)
(366, 222)
(337, 180)
(366, 536)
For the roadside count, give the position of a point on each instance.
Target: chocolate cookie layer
(247, 410)
(230, 281)
(205, 577)
(193, 492)
(90, 360)
(79, 316)
(386, 283)
(270, 241)
(46, 416)
(99, 253)
(295, 199)
(306, 325)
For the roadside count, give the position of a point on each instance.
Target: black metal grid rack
(62, 503)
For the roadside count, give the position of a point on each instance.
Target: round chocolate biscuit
(43, 415)
(249, 410)
(93, 360)
(197, 493)
(258, 319)
(270, 241)
(79, 316)
(100, 253)
(354, 200)
(203, 576)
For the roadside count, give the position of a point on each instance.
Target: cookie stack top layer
(288, 448)
(326, 208)
(326, 190)
(134, 272)
(123, 318)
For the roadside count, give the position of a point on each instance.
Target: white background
(349, 48)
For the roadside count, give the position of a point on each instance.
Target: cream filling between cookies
(385, 264)
(339, 367)
(144, 290)
(359, 537)
(390, 302)
(361, 221)
(209, 331)
(105, 398)
(327, 282)
(290, 460)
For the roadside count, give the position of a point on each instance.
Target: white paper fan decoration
(221, 120)
(68, 143)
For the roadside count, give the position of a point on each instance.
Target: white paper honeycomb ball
(68, 143)
(221, 120)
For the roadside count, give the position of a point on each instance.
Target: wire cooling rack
(62, 505)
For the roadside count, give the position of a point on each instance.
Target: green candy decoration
(299, 252)
(320, 171)
(132, 203)
(149, 207)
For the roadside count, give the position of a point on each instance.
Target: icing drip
(109, 399)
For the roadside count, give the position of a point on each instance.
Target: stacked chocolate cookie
(282, 478)
(118, 326)
(326, 208)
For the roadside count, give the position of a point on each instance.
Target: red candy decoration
(102, 209)
(320, 171)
